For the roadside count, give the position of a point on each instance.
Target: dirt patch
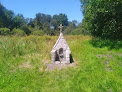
(26, 65)
(13, 71)
(120, 63)
(109, 90)
(40, 69)
(51, 67)
(109, 68)
(45, 61)
(107, 61)
(105, 56)
(118, 54)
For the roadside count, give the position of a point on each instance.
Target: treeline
(103, 18)
(11, 24)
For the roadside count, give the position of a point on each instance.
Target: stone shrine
(61, 52)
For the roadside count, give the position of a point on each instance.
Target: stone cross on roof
(60, 27)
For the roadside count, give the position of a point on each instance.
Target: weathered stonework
(61, 51)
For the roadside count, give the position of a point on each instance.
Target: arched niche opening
(61, 53)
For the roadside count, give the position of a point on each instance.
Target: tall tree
(42, 18)
(19, 21)
(103, 17)
(61, 19)
(5, 17)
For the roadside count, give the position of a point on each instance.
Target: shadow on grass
(71, 59)
(110, 44)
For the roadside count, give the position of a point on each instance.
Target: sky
(29, 8)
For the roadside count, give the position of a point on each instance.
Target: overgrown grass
(23, 59)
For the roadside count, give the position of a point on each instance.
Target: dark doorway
(57, 57)
(61, 54)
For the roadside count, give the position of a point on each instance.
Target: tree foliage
(18, 32)
(45, 22)
(4, 31)
(70, 28)
(61, 19)
(103, 17)
(5, 17)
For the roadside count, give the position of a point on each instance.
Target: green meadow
(97, 65)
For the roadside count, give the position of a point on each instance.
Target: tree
(49, 24)
(25, 29)
(103, 17)
(5, 17)
(54, 24)
(59, 19)
(42, 18)
(69, 28)
(30, 22)
(75, 22)
(18, 21)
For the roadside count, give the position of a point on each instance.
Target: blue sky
(29, 8)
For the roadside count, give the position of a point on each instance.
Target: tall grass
(23, 66)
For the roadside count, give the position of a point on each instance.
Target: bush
(26, 29)
(4, 31)
(18, 32)
(76, 31)
(54, 32)
(69, 29)
(38, 33)
(79, 31)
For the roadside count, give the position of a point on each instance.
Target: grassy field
(98, 65)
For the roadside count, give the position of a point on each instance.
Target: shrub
(79, 31)
(76, 31)
(4, 31)
(38, 33)
(26, 29)
(18, 32)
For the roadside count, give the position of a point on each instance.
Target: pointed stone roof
(61, 43)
